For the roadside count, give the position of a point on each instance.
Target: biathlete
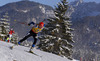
(33, 32)
(10, 35)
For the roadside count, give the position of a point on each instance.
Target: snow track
(19, 54)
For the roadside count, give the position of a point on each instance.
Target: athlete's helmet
(41, 24)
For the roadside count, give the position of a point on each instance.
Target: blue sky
(47, 2)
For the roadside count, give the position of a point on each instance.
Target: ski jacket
(36, 28)
(11, 31)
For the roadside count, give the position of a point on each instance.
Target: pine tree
(56, 36)
(4, 26)
(15, 38)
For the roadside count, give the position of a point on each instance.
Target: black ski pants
(31, 33)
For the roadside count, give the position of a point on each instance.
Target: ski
(33, 53)
(11, 47)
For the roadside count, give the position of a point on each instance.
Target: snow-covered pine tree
(56, 36)
(4, 26)
(14, 38)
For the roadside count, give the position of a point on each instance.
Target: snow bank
(19, 53)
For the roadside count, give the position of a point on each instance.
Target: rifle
(25, 23)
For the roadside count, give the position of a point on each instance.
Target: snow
(48, 12)
(78, 2)
(75, 60)
(42, 8)
(24, 11)
(88, 29)
(57, 25)
(72, 7)
(19, 53)
(2, 35)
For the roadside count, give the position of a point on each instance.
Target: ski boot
(18, 43)
(32, 49)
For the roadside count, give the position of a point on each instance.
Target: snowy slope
(19, 54)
